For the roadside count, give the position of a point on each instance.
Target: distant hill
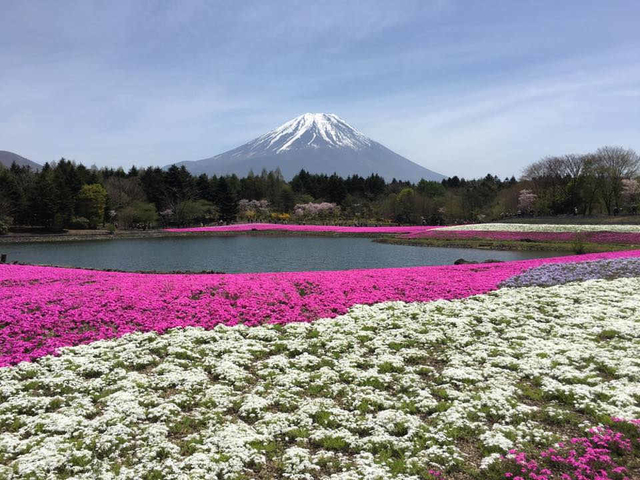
(318, 143)
(7, 158)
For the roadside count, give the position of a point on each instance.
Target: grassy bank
(486, 244)
(89, 235)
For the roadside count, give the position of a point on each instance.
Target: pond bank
(423, 236)
(245, 253)
(85, 235)
(488, 244)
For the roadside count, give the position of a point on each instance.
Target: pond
(235, 254)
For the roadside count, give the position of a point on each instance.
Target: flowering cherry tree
(316, 210)
(631, 193)
(526, 200)
(252, 209)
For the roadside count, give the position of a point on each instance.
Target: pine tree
(227, 201)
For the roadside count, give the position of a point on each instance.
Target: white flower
(498, 370)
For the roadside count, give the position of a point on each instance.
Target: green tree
(335, 191)
(12, 197)
(153, 185)
(43, 199)
(287, 199)
(431, 189)
(190, 212)
(91, 203)
(138, 214)
(227, 201)
(67, 184)
(180, 184)
(406, 206)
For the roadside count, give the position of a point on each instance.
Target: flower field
(599, 234)
(393, 390)
(604, 237)
(44, 308)
(551, 274)
(261, 227)
(528, 228)
(518, 370)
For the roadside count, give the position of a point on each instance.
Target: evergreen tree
(43, 199)
(227, 201)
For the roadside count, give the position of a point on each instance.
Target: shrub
(578, 244)
(111, 228)
(138, 215)
(4, 228)
(94, 222)
(79, 223)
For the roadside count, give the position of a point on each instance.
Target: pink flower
(246, 227)
(589, 458)
(44, 308)
(591, 237)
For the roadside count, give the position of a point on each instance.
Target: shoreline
(382, 237)
(509, 245)
(391, 235)
(133, 235)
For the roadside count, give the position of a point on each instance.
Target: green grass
(488, 244)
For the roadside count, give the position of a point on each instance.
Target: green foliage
(227, 201)
(138, 215)
(333, 443)
(608, 334)
(287, 199)
(431, 189)
(43, 198)
(405, 206)
(190, 212)
(79, 223)
(4, 228)
(578, 244)
(61, 192)
(91, 201)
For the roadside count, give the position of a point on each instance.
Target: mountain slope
(318, 143)
(7, 158)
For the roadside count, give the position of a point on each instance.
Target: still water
(246, 254)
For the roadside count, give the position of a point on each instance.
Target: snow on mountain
(318, 143)
(324, 130)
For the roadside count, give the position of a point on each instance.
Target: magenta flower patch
(604, 454)
(247, 227)
(590, 237)
(45, 308)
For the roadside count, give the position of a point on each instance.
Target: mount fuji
(318, 143)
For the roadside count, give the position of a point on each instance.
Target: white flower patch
(385, 391)
(527, 227)
(298, 465)
(496, 438)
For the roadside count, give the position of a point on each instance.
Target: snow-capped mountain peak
(317, 143)
(311, 130)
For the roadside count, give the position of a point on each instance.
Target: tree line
(604, 181)
(64, 194)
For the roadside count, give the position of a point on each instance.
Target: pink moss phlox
(590, 237)
(45, 308)
(602, 455)
(247, 227)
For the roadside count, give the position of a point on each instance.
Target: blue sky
(461, 87)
